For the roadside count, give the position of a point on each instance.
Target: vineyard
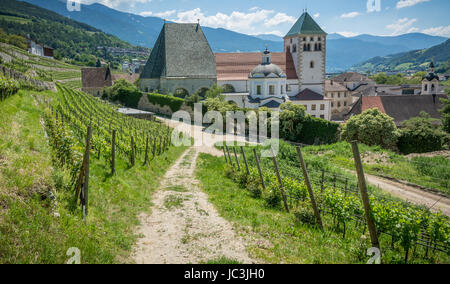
(8, 87)
(419, 233)
(78, 124)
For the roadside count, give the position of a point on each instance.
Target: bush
(305, 215)
(124, 92)
(371, 128)
(8, 87)
(273, 196)
(445, 112)
(163, 100)
(421, 135)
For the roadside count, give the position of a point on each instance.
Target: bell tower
(307, 42)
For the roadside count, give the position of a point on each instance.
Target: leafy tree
(371, 128)
(420, 135)
(98, 64)
(18, 41)
(124, 92)
(291, 118)
(215, 92)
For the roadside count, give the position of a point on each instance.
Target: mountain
(342, 52)
(418, 60)
(70, 39)
(270, 37)
(144, 31)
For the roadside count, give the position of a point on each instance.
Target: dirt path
(183, 226)
(412, 194)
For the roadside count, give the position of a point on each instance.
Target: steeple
(267, 57)
(305, 25)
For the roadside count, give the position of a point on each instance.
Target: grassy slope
(29, 233)
(290, 241)
(433, 173)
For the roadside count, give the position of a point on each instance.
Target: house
(95, 79)
(340, 97)
(181, 61)
(399, 107)
(38, 49)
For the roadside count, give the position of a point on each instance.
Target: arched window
(426, 87)
(258, 90)
(309, 47)
(319, 47)
(294, 48)
(432, 87)
(305, 47)
(311, 64)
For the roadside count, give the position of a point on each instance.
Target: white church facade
(297, 75)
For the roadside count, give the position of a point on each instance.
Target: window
(288, 88)
(291, 40)
(313, 107)
(339, 104)
(322, 107)
(311, 64)
(294, 48)
(345, 103)
(282, 89)
(312, 39)
(322, 116)
(332, 104)
(272, 90)
(306, 107)
(258, 90)
(345, 95)
(426, 87)
(332, 95)
(432, 87)
(339, 95)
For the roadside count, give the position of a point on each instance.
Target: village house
(95, 79)
(38, 49)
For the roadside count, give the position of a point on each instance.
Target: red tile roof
(372, 102)
(237, 66)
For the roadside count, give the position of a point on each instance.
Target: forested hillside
(414, 60)
(70, 39)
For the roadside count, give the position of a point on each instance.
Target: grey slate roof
(305, 25)
(307, 95)
(181, 50)
(272, 104)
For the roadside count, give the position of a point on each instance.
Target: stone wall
(169, 85)
(13, 74)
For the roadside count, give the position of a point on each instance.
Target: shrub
(8, 87)
(124, 92)
(273, 197)
(305, 215)
(445, 112)
(420, 135)
(371, 128)
(163, 100)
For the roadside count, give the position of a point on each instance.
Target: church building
(268, 79)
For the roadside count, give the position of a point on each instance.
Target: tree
(421, 135)
(291, 118)
(98, 64)
(371, 128)
(215, 92)
(124, 92)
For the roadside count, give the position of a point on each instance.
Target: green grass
(223, 260)
(173, 201)
(279, 237)
(29, 231)
(432, 173)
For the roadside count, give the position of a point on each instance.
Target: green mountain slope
(70, 39)
(417, 60)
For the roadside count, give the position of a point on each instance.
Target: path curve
(184, 226)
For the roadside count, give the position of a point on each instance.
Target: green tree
(215, 92)
(421, 135)
(371, 128)
(291, 118)
(98, 64)
(124, 92)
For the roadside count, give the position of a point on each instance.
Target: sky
(346, 17)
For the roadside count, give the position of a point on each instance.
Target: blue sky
(347, 17)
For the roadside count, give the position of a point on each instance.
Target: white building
(296, 75)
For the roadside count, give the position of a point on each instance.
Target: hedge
(318, 131)
(163, 100)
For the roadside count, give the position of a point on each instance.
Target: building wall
(240, 86)
(169, 85)
(265, 84)
(325, 113)
(339, 101)
(312, 78)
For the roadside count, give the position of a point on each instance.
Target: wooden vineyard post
(85, 189)
(237, 160)
(280, 181)
(259, 169)
(334, 180)
(310, 190)
(365, 196)
(225, 155)
(229, 156)
(146, 152)
(346, 187)
(154, 148)
(113, 153)
(245, 160)
(322, 182)
(132, 151)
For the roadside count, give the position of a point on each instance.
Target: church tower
(306, 41)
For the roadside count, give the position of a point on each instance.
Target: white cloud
(404, 25)
(438, 31)
(348, 34)
(350, 15)
(256, 21)
(409, 3)
(160, 14)
(317, 15)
